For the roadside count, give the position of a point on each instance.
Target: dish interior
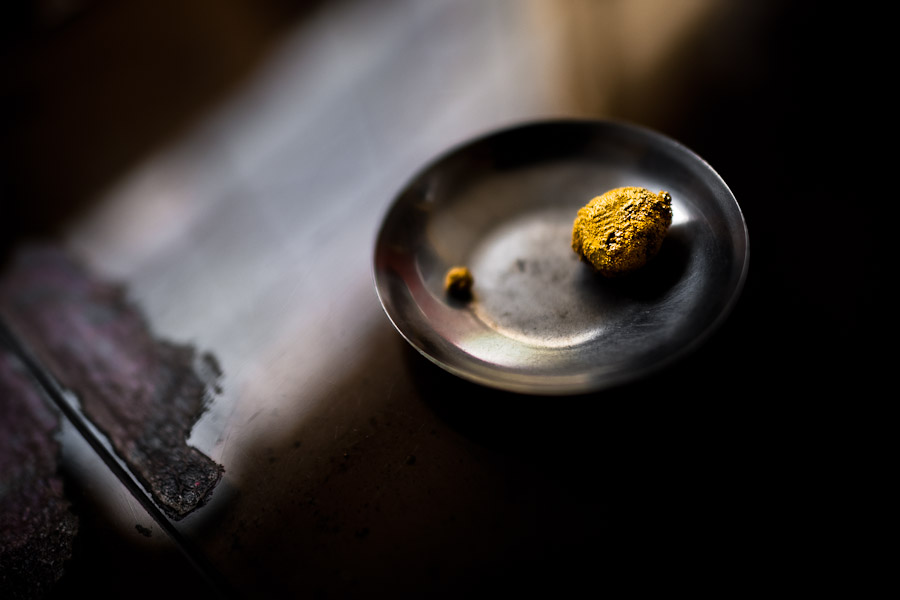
(541, 320)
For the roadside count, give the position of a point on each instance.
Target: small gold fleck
(458, 283)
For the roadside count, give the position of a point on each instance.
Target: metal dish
(541, 321)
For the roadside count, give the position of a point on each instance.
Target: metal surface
(541, 321)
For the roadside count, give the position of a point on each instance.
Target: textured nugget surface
(621, 230)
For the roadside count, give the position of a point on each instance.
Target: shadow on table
(420, 483)
(91, 88)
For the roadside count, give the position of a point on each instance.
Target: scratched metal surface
(352, 465)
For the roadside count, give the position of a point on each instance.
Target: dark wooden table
(230, 168)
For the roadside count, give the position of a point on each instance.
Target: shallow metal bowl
(540, 321)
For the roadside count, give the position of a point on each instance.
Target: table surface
(233, 176)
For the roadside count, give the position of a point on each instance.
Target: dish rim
(582, 385)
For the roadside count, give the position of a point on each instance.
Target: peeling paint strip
(143, 394)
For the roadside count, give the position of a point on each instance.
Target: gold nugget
(621, 230)
(458, 282)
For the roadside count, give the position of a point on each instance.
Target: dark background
(763, 449)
